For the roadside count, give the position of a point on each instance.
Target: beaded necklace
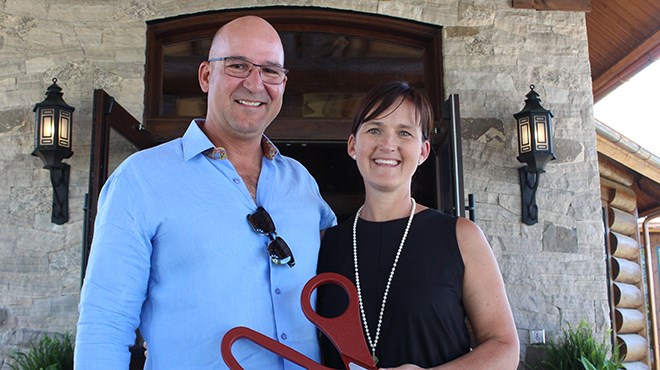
(374, 343)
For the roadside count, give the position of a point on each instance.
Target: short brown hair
(384, 96)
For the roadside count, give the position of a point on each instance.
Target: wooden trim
(98, 170)
(567, 5)
(106, 114)
(627, 159)
(637, 59)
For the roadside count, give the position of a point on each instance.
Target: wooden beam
(630, 160)
(566, 5)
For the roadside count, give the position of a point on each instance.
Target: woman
(422, 276)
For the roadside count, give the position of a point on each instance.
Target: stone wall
(554, 270)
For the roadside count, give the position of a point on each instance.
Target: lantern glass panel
(524, 135)
(541, 133)
(47, 127)
(65, 121)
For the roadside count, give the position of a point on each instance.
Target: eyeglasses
(279, 251)
(241, 68)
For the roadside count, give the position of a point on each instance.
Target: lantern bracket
(59, 178)
(529, 183)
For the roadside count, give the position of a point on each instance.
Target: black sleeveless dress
(424, 320)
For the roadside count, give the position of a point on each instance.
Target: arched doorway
(335, 57)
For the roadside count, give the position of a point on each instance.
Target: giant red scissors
(345, 331)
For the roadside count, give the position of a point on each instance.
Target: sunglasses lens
(278, 250)
(280, 253)
(261, 221)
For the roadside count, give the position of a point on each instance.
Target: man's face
(242, 107)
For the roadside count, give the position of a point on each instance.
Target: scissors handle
(345, 330)
(270, 344)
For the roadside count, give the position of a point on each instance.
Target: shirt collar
(194, 141)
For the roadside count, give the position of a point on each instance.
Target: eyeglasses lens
(240, 68)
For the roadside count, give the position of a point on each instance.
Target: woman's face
(389, 148)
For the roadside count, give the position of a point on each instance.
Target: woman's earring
(354, 157)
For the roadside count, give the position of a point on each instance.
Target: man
(174, 251)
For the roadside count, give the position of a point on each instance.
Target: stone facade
(554, 270)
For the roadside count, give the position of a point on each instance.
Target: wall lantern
(52, 143)
(534, 149)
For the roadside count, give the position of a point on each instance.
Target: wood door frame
(106, 115)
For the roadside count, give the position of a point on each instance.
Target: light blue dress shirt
(174, 254)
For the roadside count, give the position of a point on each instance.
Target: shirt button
(237, 180)
(283, 336)
(277, 291)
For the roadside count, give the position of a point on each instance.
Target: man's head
(242, 107)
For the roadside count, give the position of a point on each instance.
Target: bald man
(210, 231)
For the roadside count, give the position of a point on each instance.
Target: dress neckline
(402, 219)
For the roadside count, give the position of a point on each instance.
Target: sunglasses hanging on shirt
(278, 250)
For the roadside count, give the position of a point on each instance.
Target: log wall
(623, 248)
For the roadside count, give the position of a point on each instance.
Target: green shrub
(578, 349)
(607, 365)
(51, 353)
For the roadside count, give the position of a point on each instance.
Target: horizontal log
(633, 347)
(607, 187)
(624, 199)
(629, 321)
(627, 295)
(623, 246)
(625, 271)
(607, 190)
(622, 222)
(614, 171)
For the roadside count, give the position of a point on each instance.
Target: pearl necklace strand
(373, 343)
